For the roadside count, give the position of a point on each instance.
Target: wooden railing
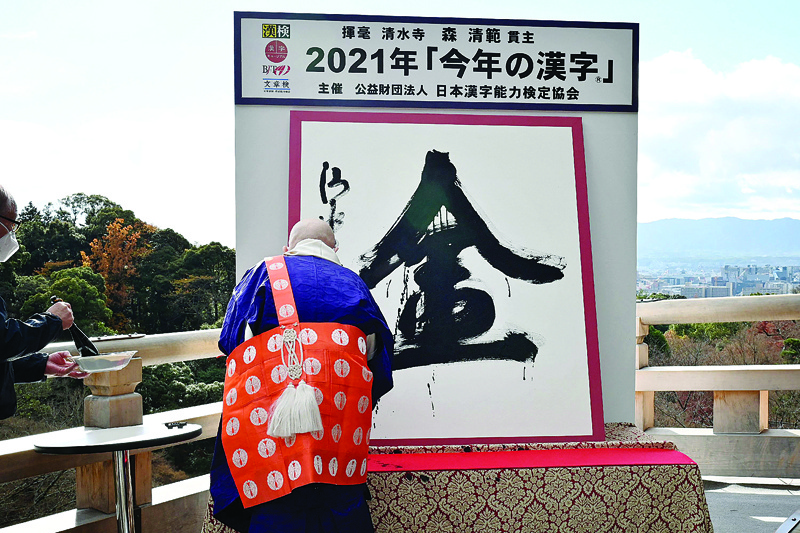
(178, 507)
(740, 442)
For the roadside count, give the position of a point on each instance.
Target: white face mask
(8, 245)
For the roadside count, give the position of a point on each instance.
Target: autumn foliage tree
(114, 256)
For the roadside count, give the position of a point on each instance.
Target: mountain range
(728, 239)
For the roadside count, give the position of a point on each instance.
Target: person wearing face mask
(20, 340)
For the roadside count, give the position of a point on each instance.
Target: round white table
(118, 441)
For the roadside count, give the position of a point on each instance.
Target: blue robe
(323, 292)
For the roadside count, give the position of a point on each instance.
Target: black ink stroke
(441, 322)
(335, 219)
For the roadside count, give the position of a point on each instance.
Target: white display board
(473, 233)
(302, 59)
(514, 174)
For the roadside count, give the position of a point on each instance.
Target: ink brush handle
(85, 347)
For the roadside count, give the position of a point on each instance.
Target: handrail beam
(726, 309)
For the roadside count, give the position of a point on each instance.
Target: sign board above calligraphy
(414, 62)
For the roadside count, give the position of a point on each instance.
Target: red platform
(553, 458)
(628, 482)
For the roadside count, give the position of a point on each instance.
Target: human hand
(62, 364)
(63, 311)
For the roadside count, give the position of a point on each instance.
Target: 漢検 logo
(276, 51)
(275, 31)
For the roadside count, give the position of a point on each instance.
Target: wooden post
(644, 401)
(113, 403)
(741, 411)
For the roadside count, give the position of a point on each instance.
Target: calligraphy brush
(82, 342)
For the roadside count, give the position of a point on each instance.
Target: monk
(309, 354)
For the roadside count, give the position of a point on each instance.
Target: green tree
(79, 207)
(9, 278)
(202, 280)
(644, 295)
(785, 405)
(177, 385)
(48, 240)
(79, 286)
(791, 351)
(218, 263)
(713, 331)
(151, 300)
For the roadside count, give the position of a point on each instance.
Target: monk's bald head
(312, 228)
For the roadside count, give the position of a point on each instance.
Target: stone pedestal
(113, 403)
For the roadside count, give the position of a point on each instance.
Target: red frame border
(296, 120)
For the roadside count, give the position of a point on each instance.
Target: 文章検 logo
(276, 51)
(275, 31)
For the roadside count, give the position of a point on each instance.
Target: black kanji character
(584, 62)
(455, 59)
(487, 62)
(554, 65)
(444, 321)
(404, 60)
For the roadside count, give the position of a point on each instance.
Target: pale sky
(134, 101)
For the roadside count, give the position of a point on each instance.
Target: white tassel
(296, 411)
(306, 409)
(281, 422)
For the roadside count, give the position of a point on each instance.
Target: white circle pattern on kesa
(333, 466)
(363, 467)
(231, 368)
(340, 337)
(362, 345)
(279, 373)
(363, 404)
(232, 427)
(250, 489)
(336, 432)
(276, 266)
(289, 441)
(266, 448)
(249, 354)
(366, 374)
(258, 416)
(308, 336)
(358, 434)
(294, 470)
(275, 480)
(318, 465)
(239, 458)
(312, 366)
(317, 435)
(274, 343)
(318, 396)
(280, 284)
(230, 398)
(341, 367)
(351, 468)
(339, 400)
(286, 311)
(252, 385)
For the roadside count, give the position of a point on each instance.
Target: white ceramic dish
(104, 362)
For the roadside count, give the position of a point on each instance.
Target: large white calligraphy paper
(473, 233)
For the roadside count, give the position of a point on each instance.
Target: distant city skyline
(135, 102)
